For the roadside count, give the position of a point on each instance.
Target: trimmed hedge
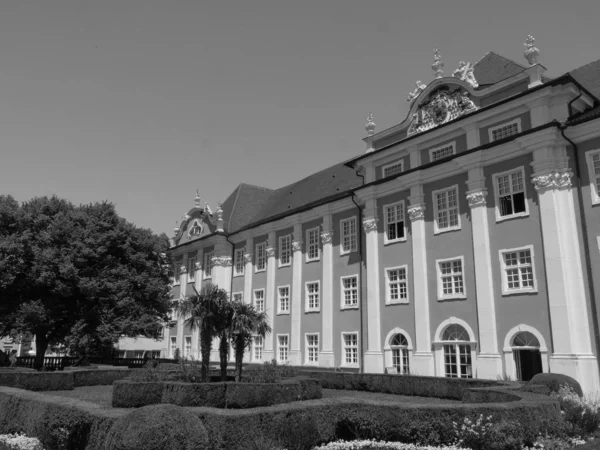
(38, 381)
(554, 380)
(422, 386)
(98, 377)
(132, 394)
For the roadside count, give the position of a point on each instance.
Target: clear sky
(141, 102)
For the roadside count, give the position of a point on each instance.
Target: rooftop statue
(465, 73)
(437, 65)
(414, 94)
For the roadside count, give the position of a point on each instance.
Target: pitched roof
(589, 77)
(240, 207)
(493, 68)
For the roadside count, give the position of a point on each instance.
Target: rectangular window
(397, 287)
(394, 222)
(239, 262)
(177, 272)
(259, 299)
(257, 345)
(138, 354)
(284, 299)
(510, 194)
(393, 169)
(438, 153)
(261, 257)
(350, 349)
(450, 278)
(350, 292)
(173, 349)
(312, 349)
(191, 269)
(593, 158)
(349, 237)
(518, 273)
(238, 297)
(187, 350)
(282, 347)
(312, 244)
(285, 250)
(505, 130)
(312, 296)
(208, 265)
(447, 214)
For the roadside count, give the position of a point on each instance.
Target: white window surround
(239, 263)
(386, 240)
(342, 291)
(392, 167)
(239, 295)
(436, 211)
(495, 177)
(313, 246)
(438, 344)
(279, 297)
(285, 347)
(504, 275)
(307, 294)
(285, 250)
(343, 362)
(491, 130)
(387, 349)
(208, 265)
(433, 150)
(594, 183)
(261, 257)
(307, 347)
(388, 297)
(440, 291)
(352, 237)
(260, 298)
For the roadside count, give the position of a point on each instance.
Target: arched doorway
(457, 352)
(526, 352)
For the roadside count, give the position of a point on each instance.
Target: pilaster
(268, 352)
(296, 300)
(489, 361)
(248, 271)
(423, 356)
(326, 356)
(222, 266)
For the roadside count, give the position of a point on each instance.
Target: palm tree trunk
(223, 351)
(239, 357)
(205, 348)
(41, 345)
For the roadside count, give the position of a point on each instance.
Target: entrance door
(528, 362)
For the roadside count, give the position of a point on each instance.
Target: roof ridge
(255, 186)
(503, 57)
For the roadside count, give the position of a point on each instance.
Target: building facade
(465, 241)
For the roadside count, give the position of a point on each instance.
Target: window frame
(262, 348)
(289, 300)
(399, 162)
(352, 219)
(343, 362)
(192, 269)
(386, 239)
(282, 239)
(258, 247)
(208, 264)
(441, 147)
(388, 298)
(254, 291)
(342, 292)
(317, 231)
(516, 120)
(287, 347)
(172, 346)
(187, 354)
(238, 257)
(503, 268)
(307, 307)
(500, 218)
(434, 194)
(240, 293)
(594, 187)
(440, 285)
(306, 348)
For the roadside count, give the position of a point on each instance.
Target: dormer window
(196, 228)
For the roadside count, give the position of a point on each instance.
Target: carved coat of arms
(443, 106)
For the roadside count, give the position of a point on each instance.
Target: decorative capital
(183, 269)
(531, 51)
(326, 236)
(198, 265)
(437, 65)
(370, 224)
(248, 257)
(297, 245)
(270, 252)
(552, 180)
(370, 127)
(221, 261)
(416, 212)
(476, 198)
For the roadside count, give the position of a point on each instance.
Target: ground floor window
(257, 348)
(187, 351)
(173, 346)
(312, 348)
(457, 353)
(138, 354)
(350, 349)
(399, 346)
(283, 347)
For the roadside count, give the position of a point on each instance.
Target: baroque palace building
(465, 241)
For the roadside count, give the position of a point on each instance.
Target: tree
(246, 322)
(202, 310)
(79, 275)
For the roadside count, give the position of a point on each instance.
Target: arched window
(399, 346)
(526, 339)
(195, 228)
(457, 352)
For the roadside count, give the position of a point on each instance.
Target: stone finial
(219, 213)
(414, 94)
(197, 199)
(370, 127)
(437, 65)
(176, 229)
(531, 51)
(207, 209)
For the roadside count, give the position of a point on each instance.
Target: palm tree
(223, 329)
(246, 322)
(202, 311)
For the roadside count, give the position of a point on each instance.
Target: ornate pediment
(442, 105)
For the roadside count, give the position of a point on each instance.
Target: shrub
(19, 442)
(129, 394)
(474, 435)
(38, 381)
(269, 372)
(554, 380)
(157, 427)
(583, 414)
(379, 445)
